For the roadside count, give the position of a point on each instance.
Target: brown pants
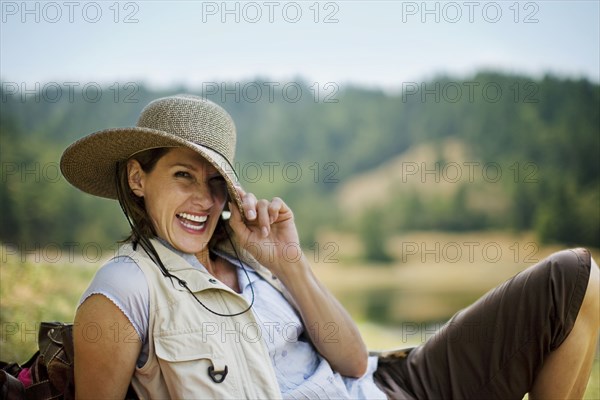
(495, 348)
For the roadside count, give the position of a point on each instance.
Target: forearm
(332, 330)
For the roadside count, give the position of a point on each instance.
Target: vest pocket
(189, 363)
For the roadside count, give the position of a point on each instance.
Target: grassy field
(396, 305)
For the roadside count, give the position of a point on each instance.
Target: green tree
(373, 235)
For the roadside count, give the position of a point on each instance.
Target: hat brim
(90, 163)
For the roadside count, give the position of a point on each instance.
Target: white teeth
(192, 227)
(195, 218)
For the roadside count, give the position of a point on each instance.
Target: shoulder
(124, 284)
(122, 273)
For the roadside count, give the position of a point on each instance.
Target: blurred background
(429, 150)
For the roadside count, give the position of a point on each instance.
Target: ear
(136, 177)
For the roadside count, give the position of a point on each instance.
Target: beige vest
(186, 341)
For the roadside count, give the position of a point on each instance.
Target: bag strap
(51, 340)
(67, 340)
(42, 390)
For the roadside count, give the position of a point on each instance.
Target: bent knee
(564, 276)
(570, 263)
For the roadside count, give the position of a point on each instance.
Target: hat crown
(193, 119)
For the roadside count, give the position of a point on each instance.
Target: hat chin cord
(149, 249)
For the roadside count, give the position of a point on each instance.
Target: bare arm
(105, 354)
(271, 236)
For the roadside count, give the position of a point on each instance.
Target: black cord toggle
(217, 376)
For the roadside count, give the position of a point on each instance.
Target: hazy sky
(375, 43)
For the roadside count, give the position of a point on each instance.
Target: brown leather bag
(51, 367)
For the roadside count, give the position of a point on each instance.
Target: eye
(217, 179)
(182, 174)
(217, 182)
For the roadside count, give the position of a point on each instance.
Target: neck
(220, 269)
(204, 259)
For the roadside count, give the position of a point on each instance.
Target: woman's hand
(269, 232)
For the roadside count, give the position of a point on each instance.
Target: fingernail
(251, 214)
(265, 231)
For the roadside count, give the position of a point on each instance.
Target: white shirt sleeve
(123, 282)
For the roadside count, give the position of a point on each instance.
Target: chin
(192, 248)
(194, 244)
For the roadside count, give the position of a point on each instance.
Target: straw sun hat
(176, 121)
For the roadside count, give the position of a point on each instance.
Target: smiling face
(184, 196)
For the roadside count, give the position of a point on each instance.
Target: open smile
(195, 223)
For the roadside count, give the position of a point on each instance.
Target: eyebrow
(180, 164)
(209, 168)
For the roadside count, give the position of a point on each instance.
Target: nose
(202, 196)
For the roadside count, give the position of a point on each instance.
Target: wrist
(294, 272)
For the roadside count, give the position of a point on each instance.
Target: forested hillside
(544, 136)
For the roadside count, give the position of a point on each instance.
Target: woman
(196, 305)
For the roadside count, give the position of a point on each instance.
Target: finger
(249, 204)
(262, 208)
(235, 221)
(239, 227)
(275, 207)
(240, 190)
